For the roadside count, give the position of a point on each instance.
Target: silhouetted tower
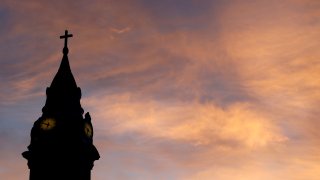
(61, 145)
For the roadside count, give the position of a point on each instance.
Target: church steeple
(62, 139)
(64, 77)
(63, 95)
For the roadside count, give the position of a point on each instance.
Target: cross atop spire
(65, 37)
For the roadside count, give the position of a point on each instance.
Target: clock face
(88, 129)
(48, 124)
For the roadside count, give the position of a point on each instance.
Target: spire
(64, 77)
(63, 93)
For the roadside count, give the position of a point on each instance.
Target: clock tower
(61, 145)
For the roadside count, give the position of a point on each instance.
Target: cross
(65, 37)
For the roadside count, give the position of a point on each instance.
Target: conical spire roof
(63, 95)
(64, 78)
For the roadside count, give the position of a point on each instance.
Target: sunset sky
(177, 89)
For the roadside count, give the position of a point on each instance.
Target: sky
(177, 89)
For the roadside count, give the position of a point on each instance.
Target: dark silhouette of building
(61, 145)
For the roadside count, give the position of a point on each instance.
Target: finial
(65, 37)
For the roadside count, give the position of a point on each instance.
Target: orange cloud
(199, 124)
